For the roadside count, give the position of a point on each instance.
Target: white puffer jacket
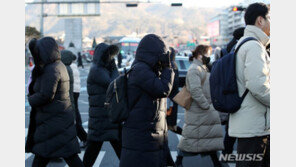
(253, 73)
(76, 76)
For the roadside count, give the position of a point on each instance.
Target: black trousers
(228, 142)
(254, 145)
(81, 133)
(93, 149)
(72, 161)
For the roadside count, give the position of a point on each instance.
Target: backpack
(223, 52)
(116, 99)
(223, 84)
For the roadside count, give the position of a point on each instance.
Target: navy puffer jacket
(144, 133)
(101, 74)
(52, 130)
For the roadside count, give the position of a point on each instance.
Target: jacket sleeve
(194, 80)
(257, 74)
(156, 87)
(175, 89)
(49, 83)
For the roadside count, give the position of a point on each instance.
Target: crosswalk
(29, 156)
(102, 159)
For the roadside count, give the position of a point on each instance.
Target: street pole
(41, 20)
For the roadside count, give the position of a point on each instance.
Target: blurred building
(73, 32)
(221, 27)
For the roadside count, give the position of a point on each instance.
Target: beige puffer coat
(253, 73)
(202, 131)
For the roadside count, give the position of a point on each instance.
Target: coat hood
(67, 57)
(103, 52)
(48, 50)
(149, 50)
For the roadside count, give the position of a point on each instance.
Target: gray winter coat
(202, 131)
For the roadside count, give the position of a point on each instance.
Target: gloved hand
(165, 60)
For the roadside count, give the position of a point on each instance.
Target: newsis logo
(241, 157)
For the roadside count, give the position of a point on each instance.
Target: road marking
(179, 137)
(85, 123)
(174, 155)
(28, 155)
(178, 120)
(100, 158)
(83, 89)
(84, 102)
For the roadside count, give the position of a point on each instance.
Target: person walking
(81, 133)
(173, 110)
(251, 123)
(119, 58)
(51, 131)
(237, 34)
(144, 133)
(202, 131)
(102, 72)
(66, 58)
(79, 60)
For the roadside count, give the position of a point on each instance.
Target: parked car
(183, 66)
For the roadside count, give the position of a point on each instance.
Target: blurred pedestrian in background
(172, 113)
(237, 34)
(202, 132)
(102, 72)
(119, 59)
(81, 133)
(79, 60)
(144, 133)
(52, 131)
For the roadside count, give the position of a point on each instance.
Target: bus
(128, 46)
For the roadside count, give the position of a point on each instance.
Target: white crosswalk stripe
(100, 158)
(174, 155)
(83, 89)
(84, 102)
(28, 155)
(85, 123)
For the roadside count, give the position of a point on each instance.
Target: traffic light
(238, 8)
(131, 5)
(176, 4)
